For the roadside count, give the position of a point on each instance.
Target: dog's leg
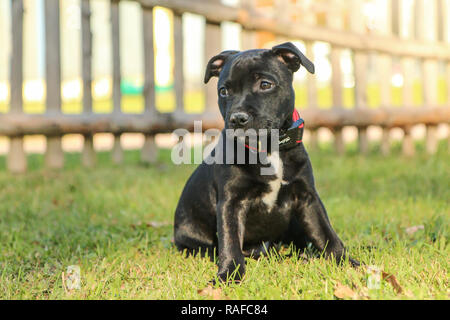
(192, 239)
(194, 247)
(230, 231)
(257, 251)
(317, 228)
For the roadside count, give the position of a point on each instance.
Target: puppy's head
(255, 87)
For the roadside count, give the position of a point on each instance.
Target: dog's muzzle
(288, 140)
(239, 120)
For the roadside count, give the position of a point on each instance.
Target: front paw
(354, 263)
(226, 279)
(341, 255)
(230, 275)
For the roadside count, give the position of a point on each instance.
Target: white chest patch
(275, 185)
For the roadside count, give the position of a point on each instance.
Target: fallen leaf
(134, 226)
(150, 224)
(364, 294)
(344, 292)
(214, 293)
(393, 281)
(411, 230)
(409, 294)
(157, 224)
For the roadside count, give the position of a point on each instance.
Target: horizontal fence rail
(387, 46)
(53, 125)
(215, 12)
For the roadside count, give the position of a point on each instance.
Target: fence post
(149, 61)
(117, 152)
(405, 31)
(149, 152)
(179, 67)
(448, 96)
(335, 21)
(54, 157)
(311, 92)
(17, 160)
(357, 25)
(213, 46)
(445, 16)
(248, 37)
(281, 10)
(311, 83)
(384, 62)
(88, 155)
(426, 17)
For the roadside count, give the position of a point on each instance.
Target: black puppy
(232, 207)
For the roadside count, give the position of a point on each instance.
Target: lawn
(115, 223)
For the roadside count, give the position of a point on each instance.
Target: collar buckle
(292, 137)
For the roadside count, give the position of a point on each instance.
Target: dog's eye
(265, 85)
(223, 92)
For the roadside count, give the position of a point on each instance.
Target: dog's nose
(239, 119)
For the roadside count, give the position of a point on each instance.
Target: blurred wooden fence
(53, 124)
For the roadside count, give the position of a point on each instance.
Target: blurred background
(402, 84)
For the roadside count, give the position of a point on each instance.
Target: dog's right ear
(290, 55)
(215, 65)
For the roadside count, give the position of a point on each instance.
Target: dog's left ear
(290, 55)
(215, 65)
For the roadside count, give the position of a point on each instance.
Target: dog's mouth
(264, 137)
(256, 134)
(254, 140)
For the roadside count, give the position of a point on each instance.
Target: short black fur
(233, 209)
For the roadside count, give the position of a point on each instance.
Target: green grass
(103, 221)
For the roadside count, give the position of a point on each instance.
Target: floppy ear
(292, 57)
(215, 65)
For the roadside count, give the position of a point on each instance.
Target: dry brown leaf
(214, 293)
(393, 281)
(344, 292)
(364, 294)
(411, 230)
(150, 224)
(157, 224)
(135, 225)
(409, 294)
